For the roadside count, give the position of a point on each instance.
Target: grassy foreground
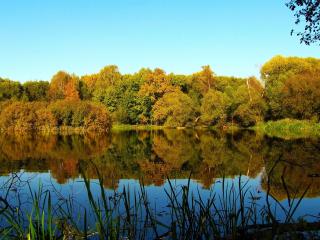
(289, 128)
(232, 213)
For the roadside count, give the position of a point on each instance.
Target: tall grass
(235, 212)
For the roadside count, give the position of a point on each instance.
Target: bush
(26, 116)
(81, 114)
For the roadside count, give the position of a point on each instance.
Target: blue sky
(38, 37)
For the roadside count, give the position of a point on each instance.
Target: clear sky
(39, 37)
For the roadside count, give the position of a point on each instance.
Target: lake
(262, 172)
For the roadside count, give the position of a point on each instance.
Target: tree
(131, 107)
(248, 104)
(108, 76)
(35, 90)
(174, 109)
(307, 12)
(64, 86)
(71, 89)
(203, 81)
(214, 107)
(283, 77)
(155, 84)
(301, 96)
(88, 83)
(104, 82)
(81, 114)
(10, 90)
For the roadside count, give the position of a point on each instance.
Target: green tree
(10, 90)
(35, 90)
(174, 109)
(301, 96)
(248, 104)
(283, 77)
(203, 81)
(214, 108)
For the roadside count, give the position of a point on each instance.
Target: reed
(232, 213)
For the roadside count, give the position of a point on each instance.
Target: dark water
(283, 168)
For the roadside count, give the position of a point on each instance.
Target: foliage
(307, 13)
(63, 86)
(214, 108)
(286, 79)
(174, 109)
(290, 90)
(26, 116)
(248, 105)
(290, 128)
(155, 84)
(10, 90)
(35, 90)
(87, 115)
(203, 81)
(42, 116)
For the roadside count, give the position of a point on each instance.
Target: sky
(39, 38)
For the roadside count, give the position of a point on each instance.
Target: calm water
(285, 168)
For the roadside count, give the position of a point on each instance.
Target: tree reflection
(291, 166)
(287, 166)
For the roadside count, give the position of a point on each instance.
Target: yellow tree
(156, 84)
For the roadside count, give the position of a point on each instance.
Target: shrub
(26, 116)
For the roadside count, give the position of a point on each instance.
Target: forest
(289, 88)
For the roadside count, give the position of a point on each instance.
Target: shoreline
(284, 128)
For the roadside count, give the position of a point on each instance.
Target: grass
(225, 214)
(127, 127)
(289, 128)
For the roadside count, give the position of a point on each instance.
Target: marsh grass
(232, 213)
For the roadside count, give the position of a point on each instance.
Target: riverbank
(289, 128)
(285, 128)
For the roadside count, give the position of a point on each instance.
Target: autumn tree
(155, 84)
(87, 84)
(63, 86)
(26, 116)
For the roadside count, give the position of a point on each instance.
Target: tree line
(289, 88)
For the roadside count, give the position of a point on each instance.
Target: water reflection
(286, 166)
